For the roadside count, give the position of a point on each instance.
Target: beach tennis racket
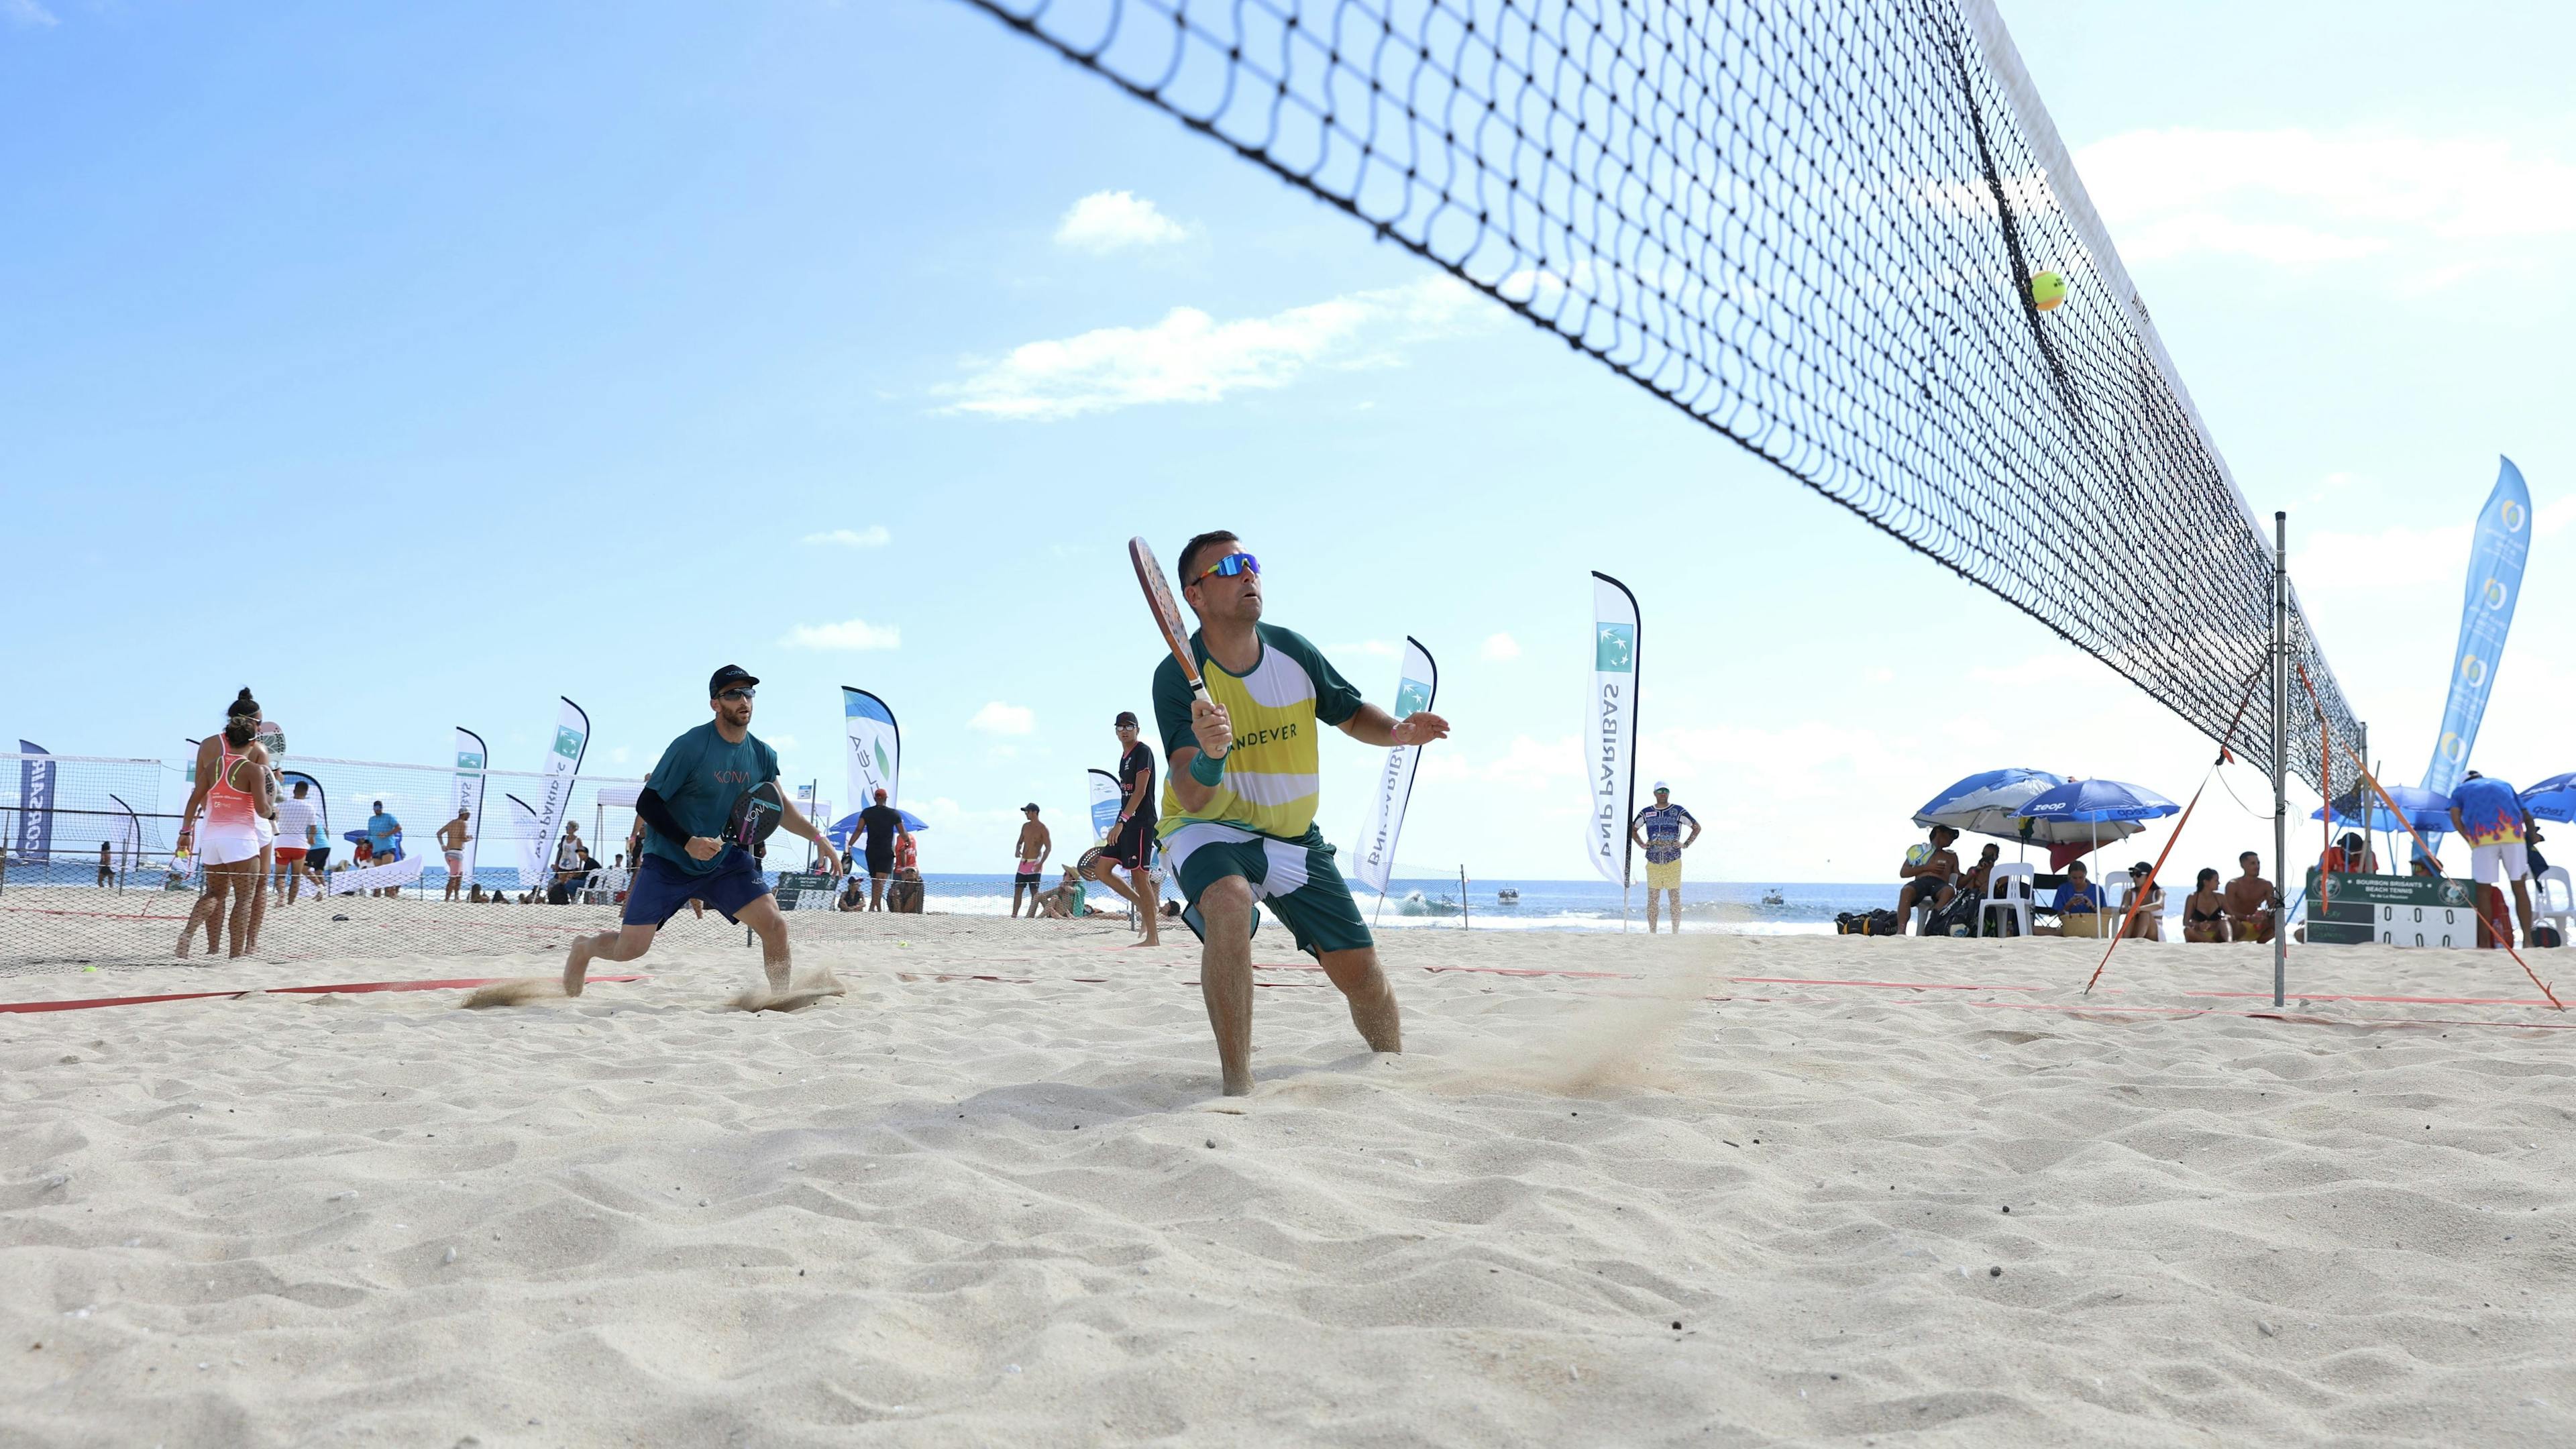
(1167, 613)
(755, 814)
(1084, 866)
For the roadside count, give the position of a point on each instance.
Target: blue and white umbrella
(838, 832)
(2553, 798)
(2104, 801)
(2424, 809)
(1989, 803)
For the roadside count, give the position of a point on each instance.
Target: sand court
(991, 1194)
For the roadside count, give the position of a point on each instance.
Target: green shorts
(1296, 878)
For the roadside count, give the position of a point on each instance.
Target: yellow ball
(2047, 289)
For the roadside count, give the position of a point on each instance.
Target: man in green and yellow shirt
(1238, 812)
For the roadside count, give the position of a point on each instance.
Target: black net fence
(1813, 225)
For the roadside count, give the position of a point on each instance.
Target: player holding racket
(685, 808)
(1238, 706)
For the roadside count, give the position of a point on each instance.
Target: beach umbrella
(838, 832)
(2424, 809)
(1989, 803)
(2094, 811)
(2553, 798)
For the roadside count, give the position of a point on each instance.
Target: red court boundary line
(2414, 1000)
(78, 1003)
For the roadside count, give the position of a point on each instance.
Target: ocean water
(1739, 908)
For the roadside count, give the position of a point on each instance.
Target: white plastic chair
(2008, 888)
(2558, 910)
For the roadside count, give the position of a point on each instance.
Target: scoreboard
(2392, 910)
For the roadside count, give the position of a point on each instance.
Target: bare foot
(577, 966)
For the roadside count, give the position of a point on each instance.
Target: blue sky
(416, 366)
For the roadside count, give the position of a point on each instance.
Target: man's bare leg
(1149, 908)
(876, 892)
(763, 917)
(1371, 995)
(1650, 911)
(623, 944)
(1225, 977)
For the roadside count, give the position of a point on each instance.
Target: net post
(2280, 754)
(1463, 917)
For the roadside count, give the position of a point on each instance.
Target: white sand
(978, 1211)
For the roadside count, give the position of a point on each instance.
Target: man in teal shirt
(686, 806)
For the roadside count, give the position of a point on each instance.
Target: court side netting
(1810, 224)
(88, 875)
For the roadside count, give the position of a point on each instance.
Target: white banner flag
(1610, 728)
(1417, 682)
(1105, 800)
(875, 748)
(563, 761)
(529, 832)
(471, 761)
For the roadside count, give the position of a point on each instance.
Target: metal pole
(2369, 838)
(1462, 899)
(2280, 753)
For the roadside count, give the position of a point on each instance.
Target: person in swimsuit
(2250, 902)
(1131, 843)
(2148, 924)
(235, 792)
(1035, 845)
(451, 844)
(106, 865)
(2204, 911)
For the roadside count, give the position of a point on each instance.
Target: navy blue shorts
(661, 888)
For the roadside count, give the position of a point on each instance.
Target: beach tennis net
(1813, 225)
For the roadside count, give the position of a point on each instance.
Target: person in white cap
(1658, 828)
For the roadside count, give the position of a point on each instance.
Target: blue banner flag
(2497, 552)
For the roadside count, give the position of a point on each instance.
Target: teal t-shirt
(699, 777)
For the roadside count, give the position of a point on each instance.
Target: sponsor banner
(472, 760)
(1104, 805)
(563, 761)
(1417, 683)
(1610, 729)
(33, 839)
(529, 829)
(2497, 552)
(875, 748)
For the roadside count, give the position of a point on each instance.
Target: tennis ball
(2047, 289)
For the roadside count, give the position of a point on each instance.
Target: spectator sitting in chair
(1926, 873)
(2078, 905)
(2147, 921)
(905, 894)
(1979, 879)
(2350, 856)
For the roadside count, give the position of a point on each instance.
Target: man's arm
(1694, 835)
(1046, 845)
(1371, 725)
(793, 821)
(2456, 827)
(1634, 826)
(1136, 796)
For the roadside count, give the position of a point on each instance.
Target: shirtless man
(451, 841)
(1926, 872)
(2250, 900)
(1036, 844)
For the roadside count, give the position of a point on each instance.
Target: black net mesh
(1812, 227)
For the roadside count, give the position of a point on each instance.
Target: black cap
(1125, 717)
(1032, 805)
(727, 677)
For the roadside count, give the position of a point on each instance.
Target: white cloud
(2303, 198)
(855, 634)
(620, 755)
(1191, 357)
(2549, 518)
(1108, 221)
(1500, 647)
(27, 14)
(872, 536)
(997, 718)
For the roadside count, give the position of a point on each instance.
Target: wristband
(1207, 769)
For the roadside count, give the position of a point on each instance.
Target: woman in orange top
(238, 796)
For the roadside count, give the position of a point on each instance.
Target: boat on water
(1508, 896)
(1415, 903)
(1772, 897)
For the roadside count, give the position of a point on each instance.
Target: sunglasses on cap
(1230, 566)
(738, 692)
